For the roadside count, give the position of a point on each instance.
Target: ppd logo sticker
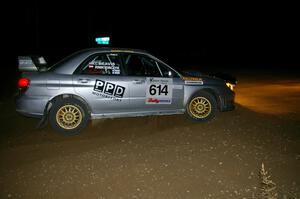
(109, 88)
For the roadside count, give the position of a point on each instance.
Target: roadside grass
(269, 189)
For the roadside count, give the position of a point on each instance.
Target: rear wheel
(202, 106)
(68, 116)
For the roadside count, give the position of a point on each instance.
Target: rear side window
(101, 64)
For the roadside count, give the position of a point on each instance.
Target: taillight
(23, 83)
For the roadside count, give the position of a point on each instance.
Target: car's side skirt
(136, 114)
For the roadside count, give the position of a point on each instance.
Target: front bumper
(227, 101)
(31, 106)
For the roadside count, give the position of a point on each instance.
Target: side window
(166, 71)
(140, 65)
(102, 64)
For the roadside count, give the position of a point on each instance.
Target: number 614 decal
(159, 90)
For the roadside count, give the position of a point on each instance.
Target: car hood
(213, 76)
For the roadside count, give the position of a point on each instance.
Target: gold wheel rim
(68, 117)
(200, 107)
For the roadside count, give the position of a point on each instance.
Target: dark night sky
(180, 33)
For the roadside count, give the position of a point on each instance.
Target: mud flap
(42, 123)
(44, 120)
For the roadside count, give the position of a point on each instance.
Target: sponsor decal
(158, 101)
(198, 82)
(153, 100)
(159, 90)
(108, 90)
(192, 80)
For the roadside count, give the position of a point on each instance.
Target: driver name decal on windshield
(159, 90)
(108, 90)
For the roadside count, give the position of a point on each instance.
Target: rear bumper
(31, 106)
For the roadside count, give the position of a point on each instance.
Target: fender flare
(210, 91)
(64, 96)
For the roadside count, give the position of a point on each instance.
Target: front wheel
(68, 116)
(202, 106)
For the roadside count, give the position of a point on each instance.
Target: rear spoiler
(31, 63)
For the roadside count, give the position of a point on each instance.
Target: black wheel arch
(64, 96)
(212, 92)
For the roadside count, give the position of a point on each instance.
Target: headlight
(231, 86)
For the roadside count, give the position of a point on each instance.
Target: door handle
(83, 80)
(136, 81)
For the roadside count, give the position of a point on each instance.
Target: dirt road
(160, 157)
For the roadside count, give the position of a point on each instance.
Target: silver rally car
(110, 83)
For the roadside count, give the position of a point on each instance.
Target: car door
(150, 91)
(99, 80)
(177, 84)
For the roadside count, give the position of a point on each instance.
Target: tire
(68, 116)
(202, 106)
